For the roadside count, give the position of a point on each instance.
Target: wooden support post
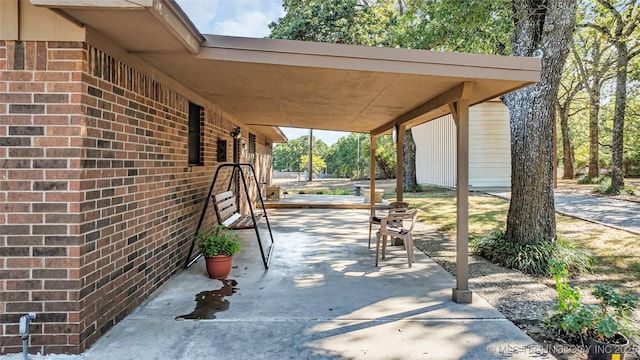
(372, 181)
(310, 162)
(460, 112)
(400, 129)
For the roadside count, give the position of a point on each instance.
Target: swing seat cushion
(228, 215)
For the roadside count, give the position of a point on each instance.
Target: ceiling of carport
(269, 82)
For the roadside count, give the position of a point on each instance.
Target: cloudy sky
(249, 18)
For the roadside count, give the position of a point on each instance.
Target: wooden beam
(400, 129)
(461, 293)
(457, 92)
(454, 112)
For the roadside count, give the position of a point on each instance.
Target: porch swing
(227, 211)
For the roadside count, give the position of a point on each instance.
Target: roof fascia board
(455, 93)
(178, 23)
(9, 20)
(281, 133)
(112, 4)
(272, 133)
(364, 58)
(166, 12)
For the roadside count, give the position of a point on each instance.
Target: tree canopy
(336, 21)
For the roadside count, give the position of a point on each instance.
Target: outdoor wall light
(235, 133)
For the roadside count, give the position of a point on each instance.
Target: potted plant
(218, 245)
(601, 326)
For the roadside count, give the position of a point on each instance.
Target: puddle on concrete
(208, 303)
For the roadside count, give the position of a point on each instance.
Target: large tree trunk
(617, 136)
(594, 110)
(548, 26)
(409, 148)
(567, 151)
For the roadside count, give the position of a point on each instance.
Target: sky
(247, 18)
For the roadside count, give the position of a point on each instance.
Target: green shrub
(342, 192)
(417, 188)
(530, 258)
(592, 180)
(604, 187)
(319, 192)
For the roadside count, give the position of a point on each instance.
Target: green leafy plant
(568, 297)
(604, 187)
(218, 240)
(604, 321)
(592, 180)
(530, 258)
(341, 192)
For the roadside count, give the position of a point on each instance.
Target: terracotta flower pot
(599, 350)
(218, 267)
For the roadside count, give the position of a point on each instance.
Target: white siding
(489, 149)
(436, 152)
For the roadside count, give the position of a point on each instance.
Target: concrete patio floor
(321, 298)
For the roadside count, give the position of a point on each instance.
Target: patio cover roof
(267, 82)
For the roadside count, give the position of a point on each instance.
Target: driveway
(616, 213)
(612, 212)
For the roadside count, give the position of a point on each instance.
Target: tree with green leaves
(336, 21)
(349, 157)
(534, 27)
(286, 157)
(319, 165)
(594, 57)
(618, 21)
(385, 156)
(571, 87)
(461, 25)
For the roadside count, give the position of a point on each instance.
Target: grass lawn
(616, 252)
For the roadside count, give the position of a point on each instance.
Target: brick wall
(98, 200)
(40, 147)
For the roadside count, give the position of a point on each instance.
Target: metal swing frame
(237, 169)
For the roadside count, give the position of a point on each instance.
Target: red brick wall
(40, 147)
(98, 200)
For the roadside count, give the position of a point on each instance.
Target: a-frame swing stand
(227, 212)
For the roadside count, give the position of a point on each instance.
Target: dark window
(252, 149)
(195, 118)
